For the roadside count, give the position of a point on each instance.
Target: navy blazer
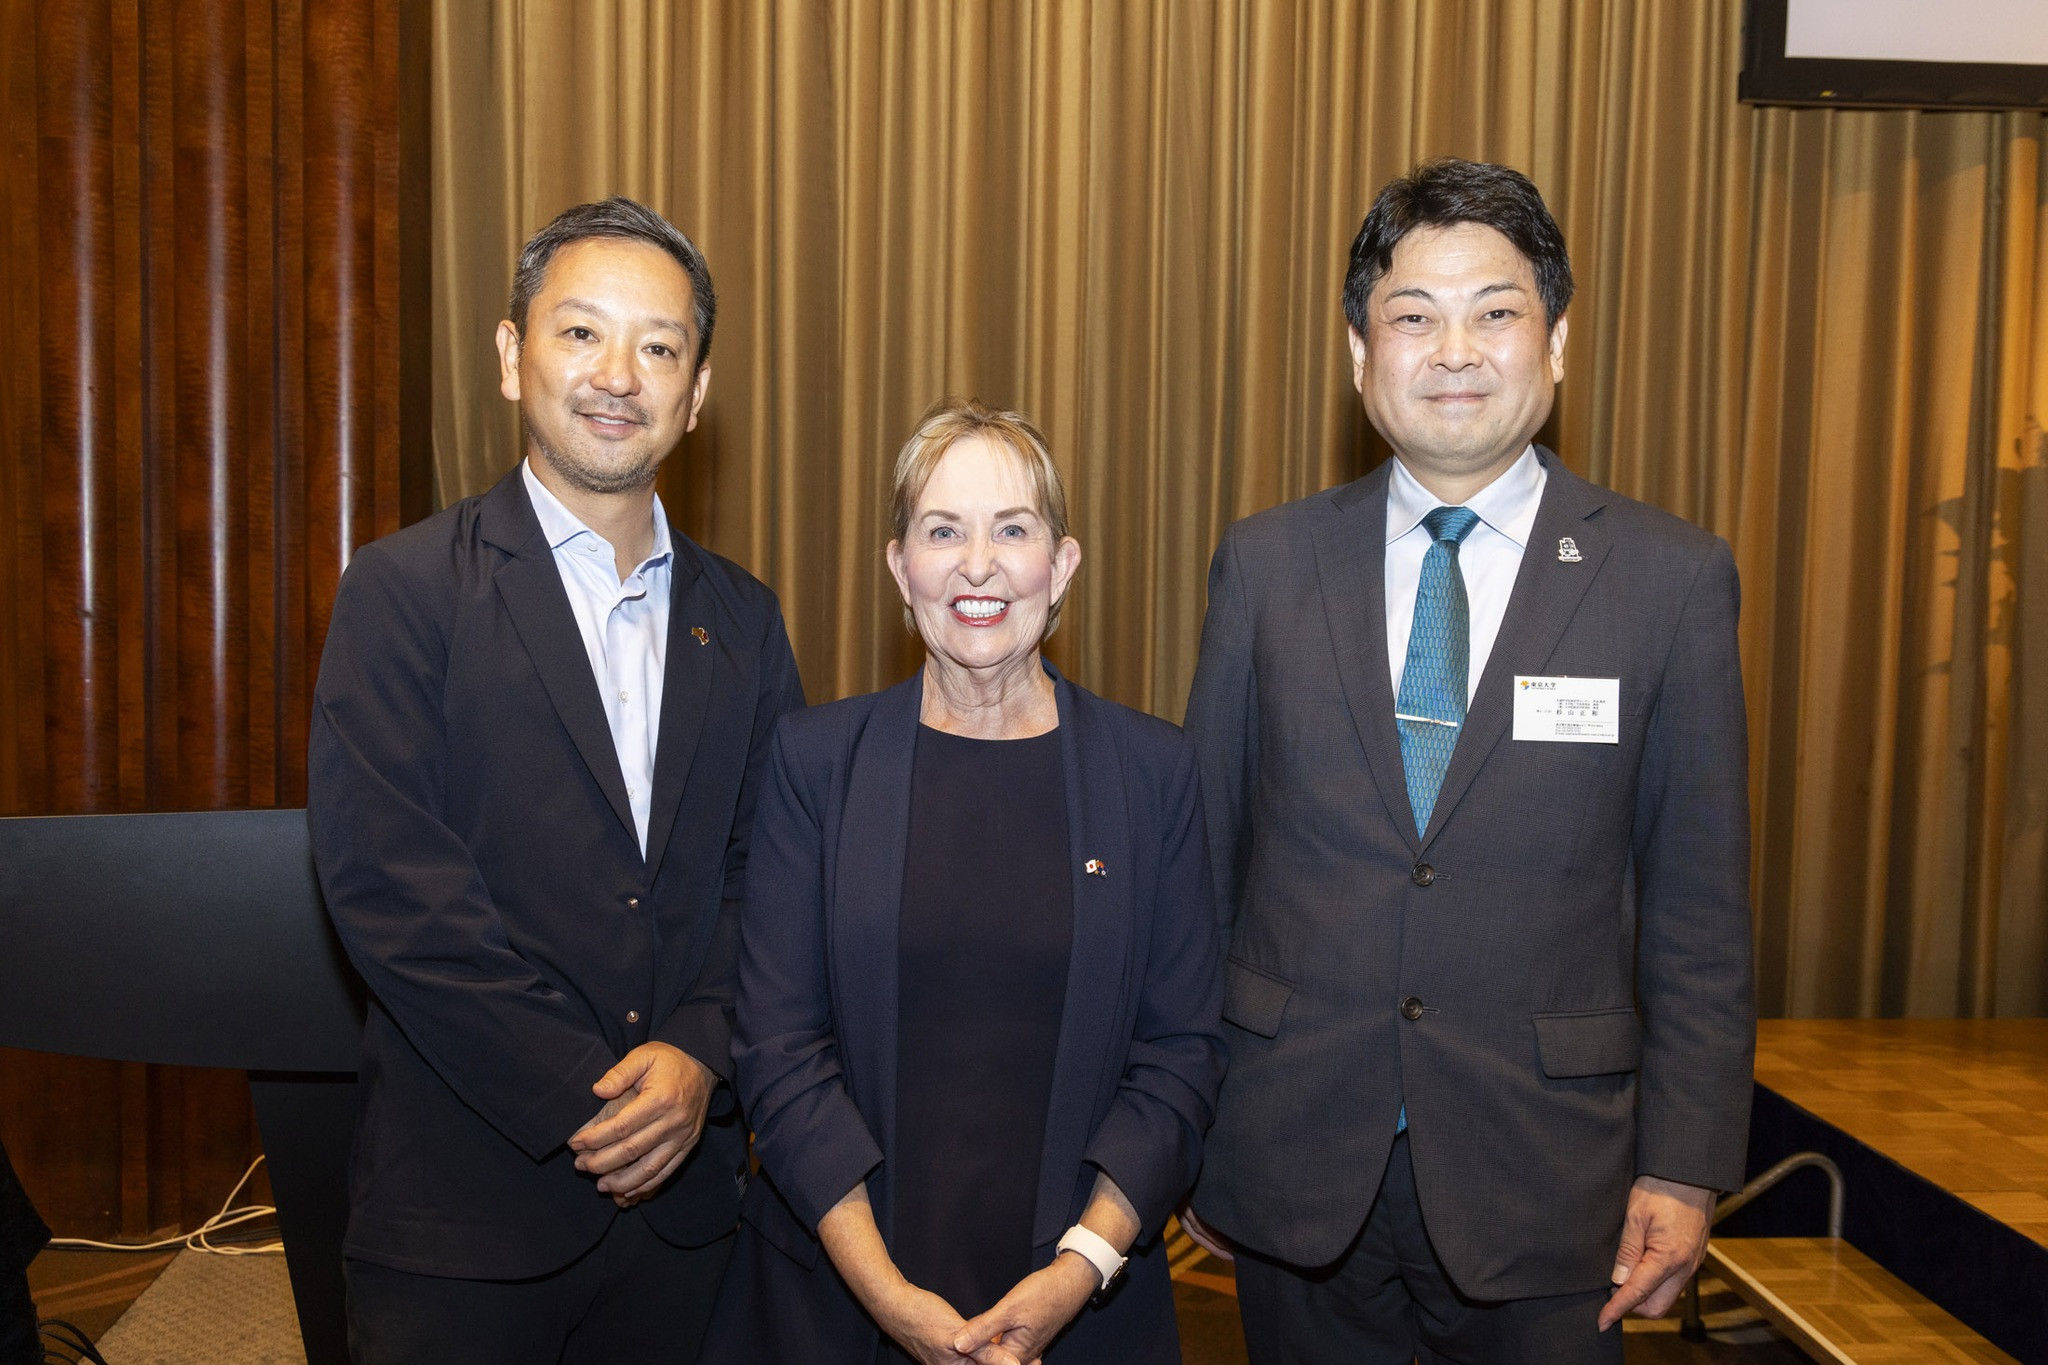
(1138, 1058)
(478, 855)
(1555, 976)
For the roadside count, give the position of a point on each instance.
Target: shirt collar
(561, 526)
(1508, 504)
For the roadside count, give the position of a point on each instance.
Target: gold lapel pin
(702, 635)
(1095, 867)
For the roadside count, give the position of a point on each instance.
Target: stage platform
(1941, 1130)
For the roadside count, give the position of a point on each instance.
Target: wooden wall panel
(20, 311)
(211, 306)
(74, 162)
(201, 403)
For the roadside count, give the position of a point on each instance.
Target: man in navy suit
(541, 720)
(1473, 757)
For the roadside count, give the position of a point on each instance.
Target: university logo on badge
(1568, 550)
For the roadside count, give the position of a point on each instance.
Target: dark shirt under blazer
(478, 855)
(1572, 930)
(1138, 1057)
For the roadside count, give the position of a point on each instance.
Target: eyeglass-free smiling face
(978, 566)
(1457, 368)
(604, 375)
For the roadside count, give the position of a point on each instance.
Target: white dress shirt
(624, 625)
(1488, 558)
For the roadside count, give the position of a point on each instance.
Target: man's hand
(1025, 1320)
(652, 1117)
(1663, 1241)
(1204, 1236)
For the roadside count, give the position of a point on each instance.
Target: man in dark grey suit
(1473, 753)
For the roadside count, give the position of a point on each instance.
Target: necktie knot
(1451, 524)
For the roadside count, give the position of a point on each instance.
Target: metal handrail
(1691, 1327)
(1778, 1172)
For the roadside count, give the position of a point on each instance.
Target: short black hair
(620, 217)
(1444, 193)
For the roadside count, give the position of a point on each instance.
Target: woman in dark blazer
(977, 1025)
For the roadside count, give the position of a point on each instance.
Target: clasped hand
(653, 1114)
(1015, 1331)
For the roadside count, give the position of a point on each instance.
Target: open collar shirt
(624, 625)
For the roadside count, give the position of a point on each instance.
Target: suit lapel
(531, 588)
(1546, 595)
(691, 668)
(1351, 568)
(1098, 830)
(867, 897)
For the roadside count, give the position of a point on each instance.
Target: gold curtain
(1812, 331)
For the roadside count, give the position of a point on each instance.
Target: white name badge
(1568, 710)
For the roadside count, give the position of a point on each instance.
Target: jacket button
(1423, 874)
(1411, 1008)
(633, 1016)
(632, 902)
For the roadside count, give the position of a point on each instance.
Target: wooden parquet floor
(1843, 1307)
(1963, 1103)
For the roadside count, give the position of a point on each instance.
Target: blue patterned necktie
(1431, 707)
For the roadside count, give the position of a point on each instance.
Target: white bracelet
(1093, 1248)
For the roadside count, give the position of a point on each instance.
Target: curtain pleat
(1813, 331)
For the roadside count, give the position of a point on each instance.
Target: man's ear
(509, 343)
(1557, 334)
(700, 387)
(1357, 360)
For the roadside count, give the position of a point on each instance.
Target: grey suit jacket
(1571, 934)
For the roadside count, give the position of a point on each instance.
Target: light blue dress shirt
(624, 624)
(1489, 558)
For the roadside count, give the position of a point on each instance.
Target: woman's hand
(918, 1320)
(1027, 1318)
(1024, 1322)
(924, 1324)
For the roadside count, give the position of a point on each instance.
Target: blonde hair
(952, 420)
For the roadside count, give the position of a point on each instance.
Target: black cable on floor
(71, 1338)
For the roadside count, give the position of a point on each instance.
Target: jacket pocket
(1254, 1000)
(1589, 1042)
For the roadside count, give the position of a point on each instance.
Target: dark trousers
(1387, 1301)
(631, 1298)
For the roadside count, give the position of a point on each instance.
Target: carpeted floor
(92, 1289)
(211, 1310)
